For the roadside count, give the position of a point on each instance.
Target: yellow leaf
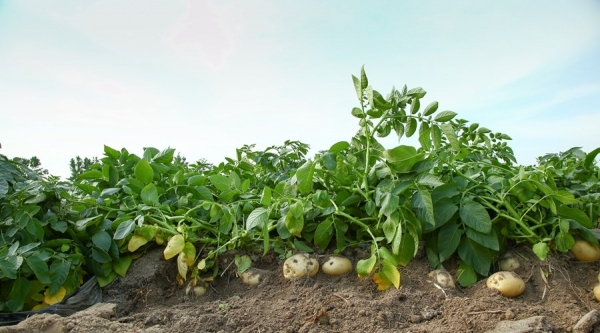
(189, 250)
(39, 306)
(202, 264)
(136, 242)
(182, 266)
(159, 239)
(174, 247)
(382, 282)
(390, 272)
(56, 298)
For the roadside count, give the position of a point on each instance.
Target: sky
(206, 77)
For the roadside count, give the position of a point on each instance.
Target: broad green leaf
(124, 229)
(304, 176)
(564, 241)
(565, 197)
(324, 234)
(8, 267)
(416, 92)
(443, 210)
(100, 255)
(105, 281)
(243, 263)
(389, 204)
(205, 193)
(107, 192)
(122, 265)
(364, 267)
(301, 246)
(591, 157)
(411, 127)
(391, 272)
(59, 270)
(144, 172)
(408, 247)
(19, 290)
(339, 146)
(389, 228)
(425, 137)
(449, 238)
(541, 250)
(150, 195)
(489, 240)
(3, 188)
(220, 182)
(465, 275)
(436, 136)
(415, 105)
(174, 246)
(357, 87)
(358, 113)
(90, 174)
(258, 217)
(403, 157)
(235, 181)
(430, 109)
(112, 152)
(451, 136)
(84, 223)
(429, 179)
(474, 215)
(445, 116)
(423, 206)
(475, 255)
(39, 268)
(265, 198)
(102, 240)
(575, 214)
(164, 157)
(294, 224)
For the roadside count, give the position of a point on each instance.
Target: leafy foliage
(459, 192)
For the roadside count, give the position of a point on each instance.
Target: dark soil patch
(148, 300)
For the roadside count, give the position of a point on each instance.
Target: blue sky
(206, 77)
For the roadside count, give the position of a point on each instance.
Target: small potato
(597, 292)
(508, 284)
(199, 291)
(585, 251)
(252, 277)
(300, 265)
(442, 278)
(337, 265)
(508, 262)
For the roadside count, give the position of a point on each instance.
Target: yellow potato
(442, 278)
(508, 262)
(337, 265)
(597, 292)
(585, 251)
(508, 284)
(251, 277)
(300, 265)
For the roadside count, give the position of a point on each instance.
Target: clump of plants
(459, 191)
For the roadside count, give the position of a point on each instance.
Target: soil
(558, 293)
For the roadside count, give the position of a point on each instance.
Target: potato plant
(460, 191)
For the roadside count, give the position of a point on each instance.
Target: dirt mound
(558, 294)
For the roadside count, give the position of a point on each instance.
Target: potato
(199, 291)
(585, 251)
(597, 292)
(300, 265)
(442, 278)
(508, 284)
(252, 277)
(508, 262)
(337, 265)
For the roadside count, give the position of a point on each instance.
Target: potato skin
(300, 265)
(508, 284)
(597, 292)
(585, 251)
(337, 265)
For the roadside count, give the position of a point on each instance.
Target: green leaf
(423, 206)
(9, 267)
(220, 182)
(465, 275)
(144, 172)
(150, 195)
(358, 113)
(391, 272)
(445, 116)
(425, 137)
(205, 193)
(294, 219)
(258, 217)
(59, 270)
(416, 92)
(364, 267)
(90, 174)
(449, 238)
(339, 146)
(112, 153)
(164, 157)
(575, 214)
(591, 157)
(565, 197)
(564, 241)
(443, 210)
(39, 268)
(436, 136)
(489, 240)
(428, 179)
(19, 290)
(3, 188)
(304, 176)
(541, 250)
(265, 198)
(475, 216)
(301, 246)
(324, 234)
(430, 109)
(475, 255)
(389, 204)
(364, 82)
(414, 106)
(403, 157)
(102, 240)
(122, 265)
(389, 227)
(124, 229)
(408, 247)
(243, 263)
(451, 136)
(411, 127)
